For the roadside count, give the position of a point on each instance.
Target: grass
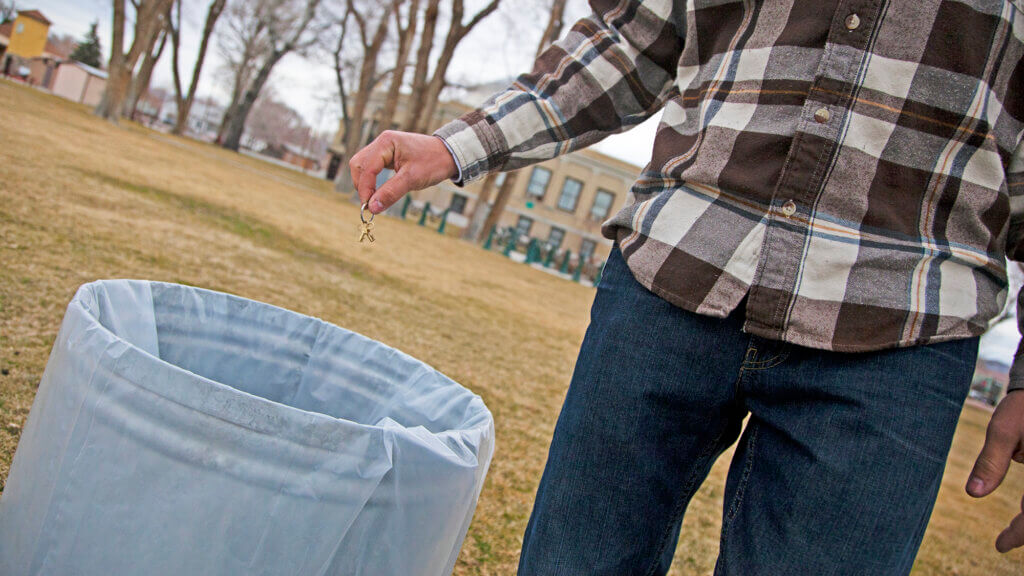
(81, 200)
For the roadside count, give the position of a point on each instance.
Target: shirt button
(852, 22)
(789, 208)
(821, 115)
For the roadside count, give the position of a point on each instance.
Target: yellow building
(560, 202)
(25, 40)
(29, 34)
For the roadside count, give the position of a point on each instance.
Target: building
(79, 82)
(990, 381)
(27, 51)
(560, 202)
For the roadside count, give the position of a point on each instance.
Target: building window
(555, 238)
(458, 204)
(570, 194)
(587, 250)
(602, 204)
(523, 226)
(538, 185)
(21, 28)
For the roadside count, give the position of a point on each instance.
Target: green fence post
(405, 205)
(564, 269)
(549, 257)
(531, 251)
(510, 242)
(579, 270)
(444, 222)
(423, 216)
(490, 239)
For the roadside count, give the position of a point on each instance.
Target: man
(817, 242)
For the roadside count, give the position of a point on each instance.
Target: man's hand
(418, 160)
(1004, 441)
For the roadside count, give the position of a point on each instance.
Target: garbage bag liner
(182, 431)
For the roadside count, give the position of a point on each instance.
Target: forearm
(612, 71)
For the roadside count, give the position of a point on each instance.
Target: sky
(501, 47)
(508, 38)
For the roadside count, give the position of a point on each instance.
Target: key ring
(363, 208)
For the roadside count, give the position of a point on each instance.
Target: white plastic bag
(182, 431)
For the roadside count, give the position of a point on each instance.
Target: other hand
(418, 160)
(1004, 441)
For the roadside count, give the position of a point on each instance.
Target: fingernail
(975, 486)
(376, 206)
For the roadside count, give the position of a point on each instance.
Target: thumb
(994, 459)
(391, 191)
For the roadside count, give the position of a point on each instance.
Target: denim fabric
(836, 471)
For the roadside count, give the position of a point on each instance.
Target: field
(81, 199)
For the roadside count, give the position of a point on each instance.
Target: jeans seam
(768, 363)
(737, 499)
(682, 498)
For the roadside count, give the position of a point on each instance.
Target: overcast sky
(502, 46)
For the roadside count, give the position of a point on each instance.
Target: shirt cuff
(476, 145)
(458, 179)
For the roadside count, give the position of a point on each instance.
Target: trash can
(182, 431)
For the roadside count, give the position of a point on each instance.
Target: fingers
(1013, 536)
(1002, 441)
(992, 464)
(368, 163)
(391, 191)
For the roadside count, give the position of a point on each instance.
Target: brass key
(366, 228)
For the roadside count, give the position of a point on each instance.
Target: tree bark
(140, 84)
(110, 105)
(184, 101)
(419, 76)
(554, 28)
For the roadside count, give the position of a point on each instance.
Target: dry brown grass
(81, 200)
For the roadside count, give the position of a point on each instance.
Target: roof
(55, 51)
(6, 28)
(35, 15)
(88, 69)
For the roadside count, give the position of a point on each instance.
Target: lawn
(81, 199)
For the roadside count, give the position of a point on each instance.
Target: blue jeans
(836, 472)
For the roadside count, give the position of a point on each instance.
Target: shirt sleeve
(1015, 251)
(613, 70)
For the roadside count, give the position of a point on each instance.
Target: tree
(150, 20)
(287, 23)
(8, 10)
(406, 35)
(89, 50)
(372, 23)
(139, 85)
(184, 100)
(427, 101)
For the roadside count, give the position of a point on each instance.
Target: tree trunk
(554, 28)
(140, 84)
(481, 210)
(501, 201)
(236, 124)
(405, 39)
(354, 135)
(185, 104)
(456, 33)
(110, 105)
(419, 76)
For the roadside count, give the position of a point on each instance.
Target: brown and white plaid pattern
(853, 168)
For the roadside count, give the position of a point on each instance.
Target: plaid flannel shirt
(854, 168)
